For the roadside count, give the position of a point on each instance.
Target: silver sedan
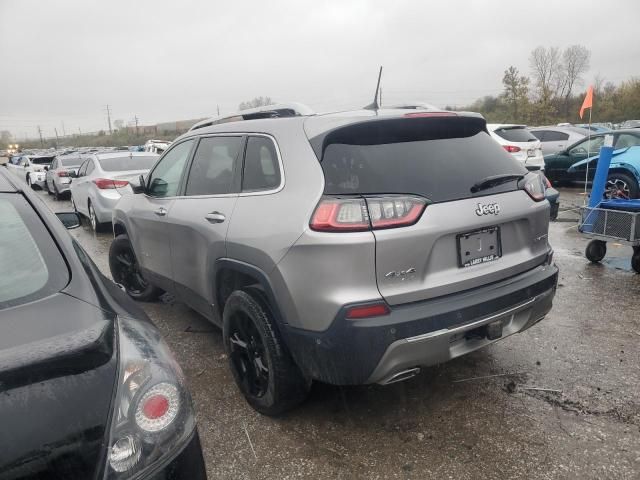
(103, 178)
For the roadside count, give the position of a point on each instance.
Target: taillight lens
(153, 416)
(547, 182)
(62, 173)
(534, 186)
(107, 183)
(334, 214)
(511, 148)
(367, 311)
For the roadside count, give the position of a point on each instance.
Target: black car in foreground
(88, 388)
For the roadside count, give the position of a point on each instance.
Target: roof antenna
(374, 105)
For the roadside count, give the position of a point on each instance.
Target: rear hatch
(521, 143)
(439, 229)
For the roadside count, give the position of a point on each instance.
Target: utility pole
(40, 134)
(64, 134)
(109, 120)
(136, 120)
(79, 131)
(218, 109)
(57, 139)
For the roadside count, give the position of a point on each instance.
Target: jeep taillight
(357, 214)
(534, 186)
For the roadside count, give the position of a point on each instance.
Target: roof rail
(280, 110)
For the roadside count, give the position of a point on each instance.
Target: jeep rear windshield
(437, 158)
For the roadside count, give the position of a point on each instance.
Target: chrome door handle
(161, 212)
(215, 217)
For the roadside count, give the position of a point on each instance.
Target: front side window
(213, 167)
(261, 169)
(165, 178)
(587, 147)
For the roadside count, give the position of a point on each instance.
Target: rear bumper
(189, 463)
(103, 204)
(421, 334)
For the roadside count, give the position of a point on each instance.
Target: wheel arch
(625, 168)
(119, 229)
(230, 275)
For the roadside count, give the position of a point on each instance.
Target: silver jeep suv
(348, 248)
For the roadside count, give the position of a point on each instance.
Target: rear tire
(126, 272)
(56, 195)
(96, 225)
(261, 365)
(595, 251)
(635, 262)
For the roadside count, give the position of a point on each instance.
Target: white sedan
(519, 142)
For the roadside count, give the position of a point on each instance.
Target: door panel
(198, 222)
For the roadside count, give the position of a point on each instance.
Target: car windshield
(128, 163)
(30, 265)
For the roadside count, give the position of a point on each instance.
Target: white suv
(519, 142)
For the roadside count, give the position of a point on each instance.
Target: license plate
(478, 247)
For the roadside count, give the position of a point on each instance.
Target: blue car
(570, 165)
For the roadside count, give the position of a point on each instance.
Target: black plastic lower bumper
(348, 352)
(188, 464)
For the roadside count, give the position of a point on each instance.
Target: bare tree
(575, 63)
(256, 102)
(545, 69)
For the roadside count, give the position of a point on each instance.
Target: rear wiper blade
(495, 180)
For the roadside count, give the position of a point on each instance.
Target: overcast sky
(163, 60)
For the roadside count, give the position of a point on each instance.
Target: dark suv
(350, 248)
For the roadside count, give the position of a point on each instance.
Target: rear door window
(214, 166)
(31, 265)
(516, 134)
(440, 159)
(261, 167)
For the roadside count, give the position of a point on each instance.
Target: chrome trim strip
(468, 326)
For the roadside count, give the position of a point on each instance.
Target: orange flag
(588, 100)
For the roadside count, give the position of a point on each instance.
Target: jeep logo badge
(492, 208)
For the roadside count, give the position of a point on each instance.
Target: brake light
(547, 182)
(369, 213)
(62, 173)
(366, 311)
(107, 183)
(534, 186)
(430, 114)
(511, 148)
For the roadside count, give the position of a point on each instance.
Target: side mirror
(73, 174)
(46, 168)
(70, 220)
(141, 187)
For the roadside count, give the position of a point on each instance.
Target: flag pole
(586, 175)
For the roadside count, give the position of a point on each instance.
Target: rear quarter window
(31, 266)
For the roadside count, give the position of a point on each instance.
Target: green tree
(516, 90)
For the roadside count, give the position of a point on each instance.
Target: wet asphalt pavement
(561, 400)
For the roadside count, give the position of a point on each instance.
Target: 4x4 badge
(492, 208)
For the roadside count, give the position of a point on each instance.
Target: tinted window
(90, 167)
(69, 162)
(119, 164)
(213, 167)
(625, 140)
(552, 136)
(588, 146)
(42, 160)
(540, 134)
(31, 265)
(165, 178)
(440, 160)
(516, 134)
(261, 169)
(83, 169)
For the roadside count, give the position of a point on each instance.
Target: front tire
(126, 271)
(261, 365)
(621, 185)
